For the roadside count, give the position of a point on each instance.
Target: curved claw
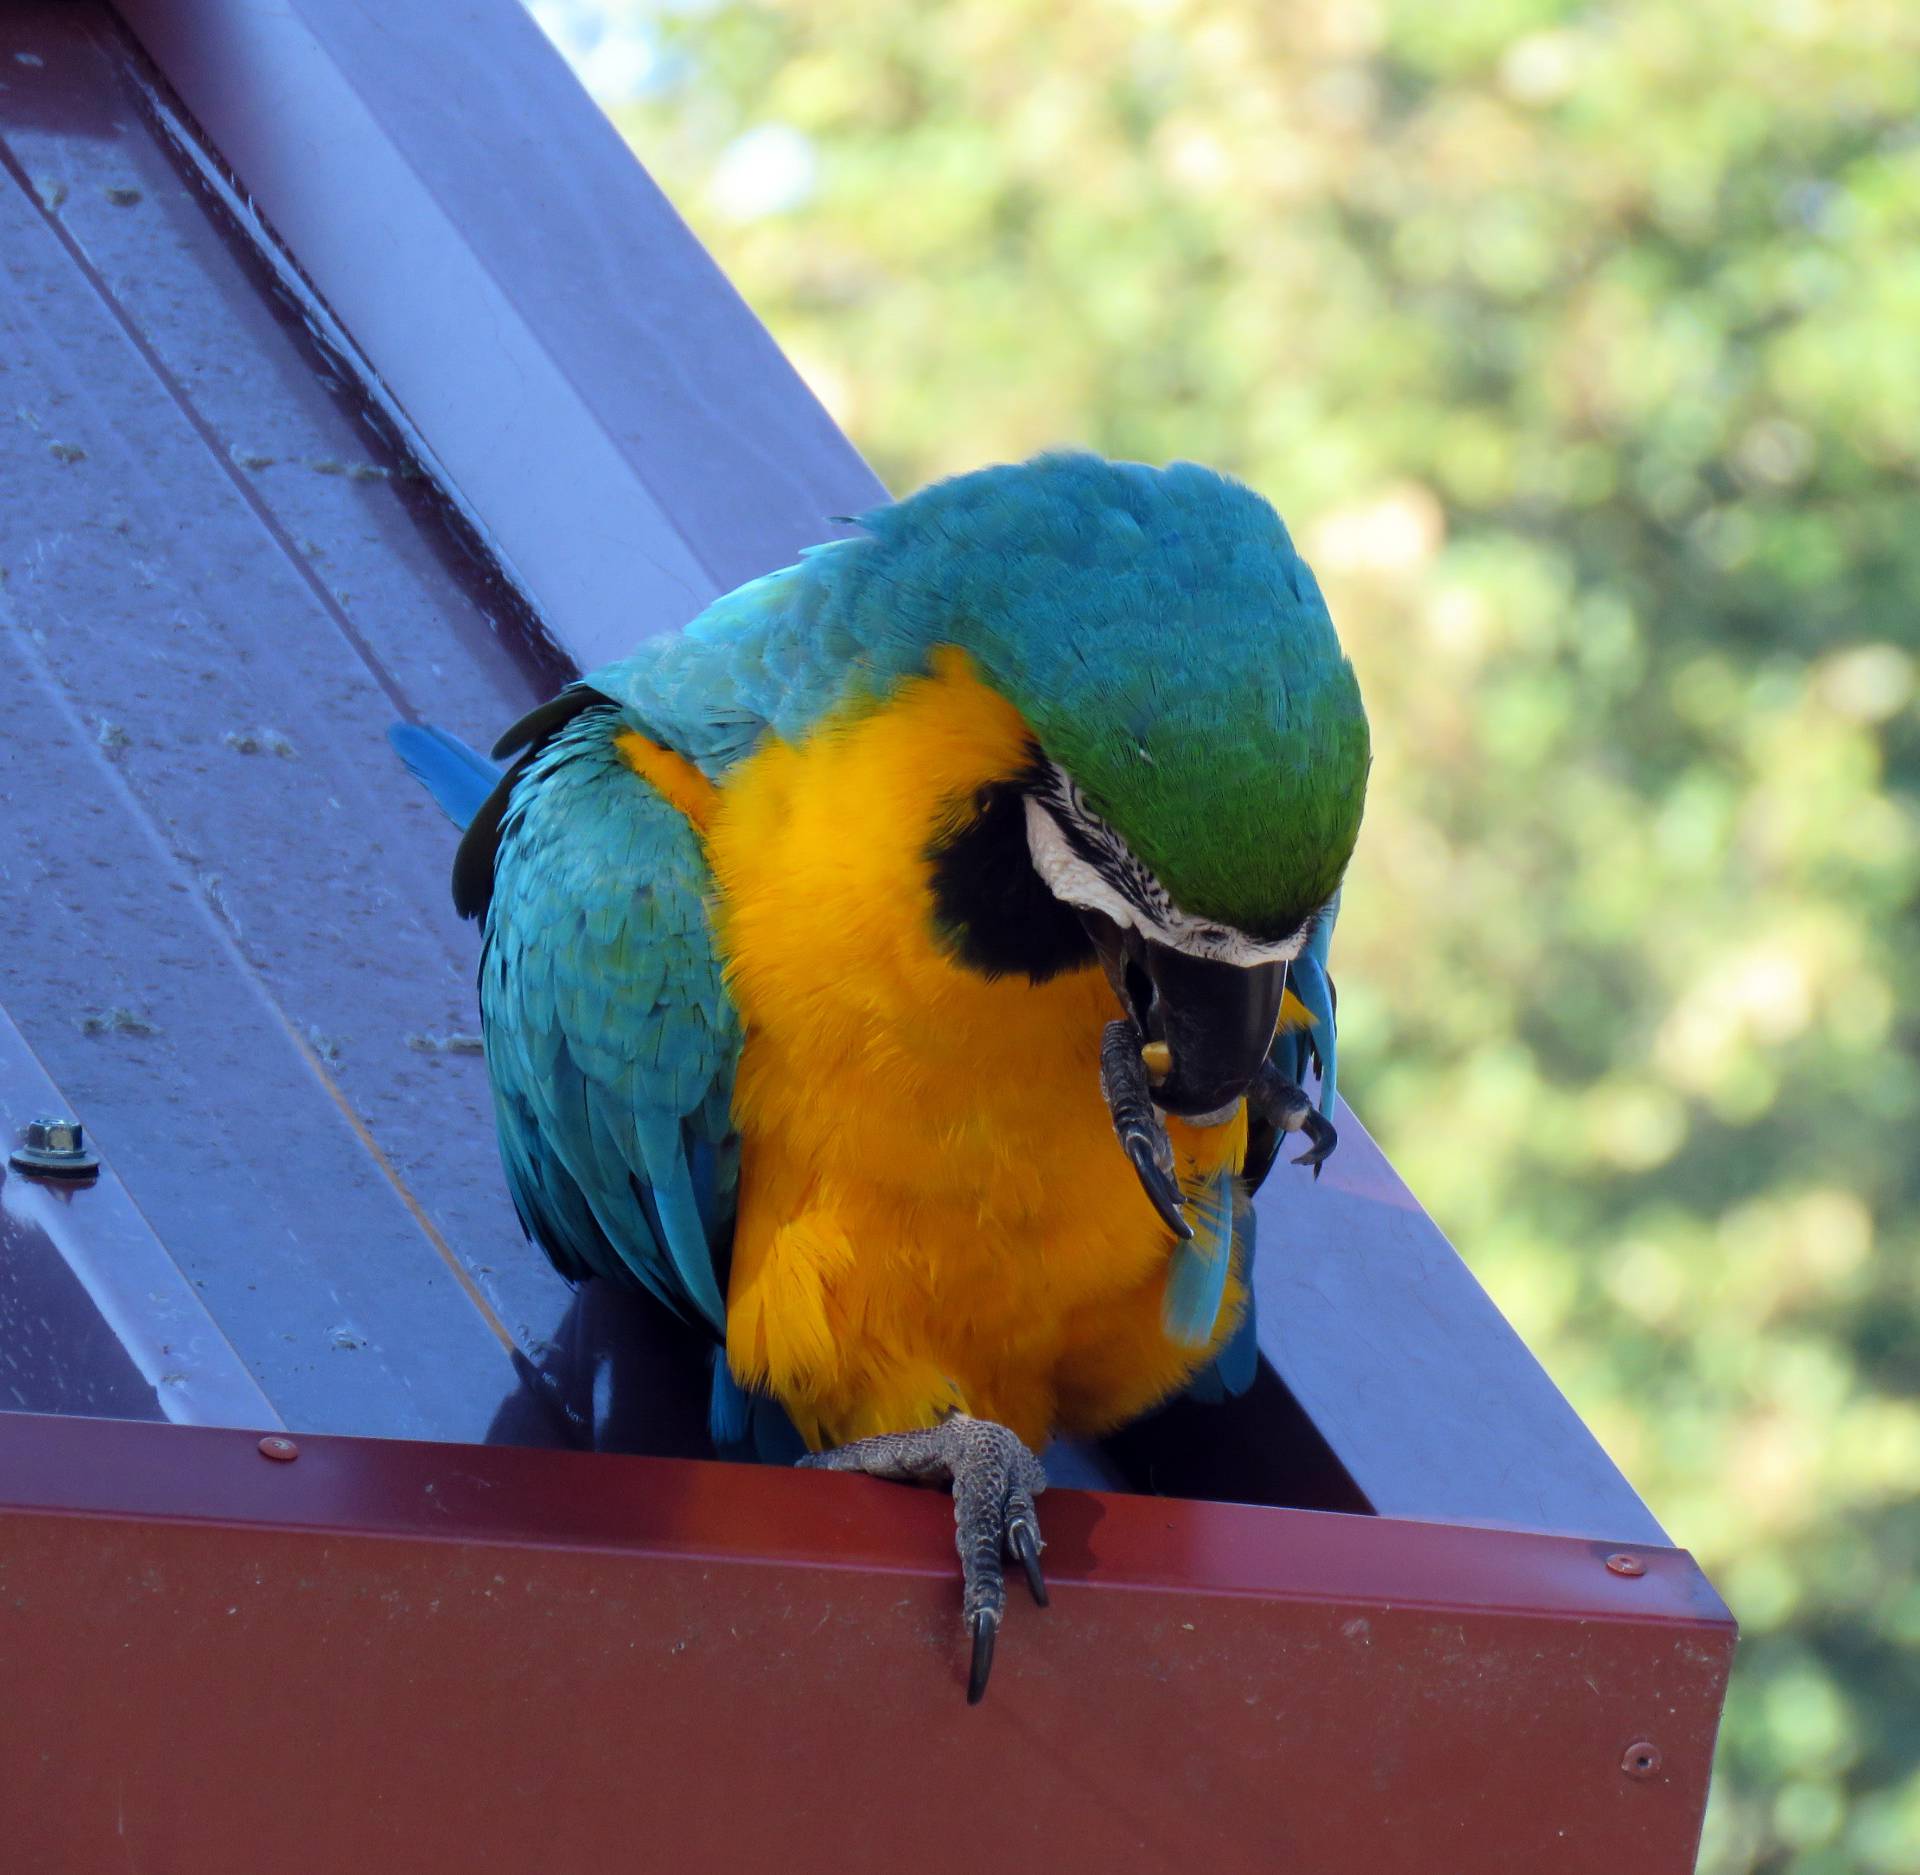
(1025, 1544)
(1123, 1081)
(985, 1626)
(1161, 1190)
(995, 1479)
(1321, 1137)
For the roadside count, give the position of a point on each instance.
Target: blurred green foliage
(1580, 345)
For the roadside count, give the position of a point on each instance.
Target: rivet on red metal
(1642, 1759)
(273, 1446)
(1624, 1565)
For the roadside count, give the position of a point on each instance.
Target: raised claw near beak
(1123, 1080)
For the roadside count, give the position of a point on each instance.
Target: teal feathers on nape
(1156, 627)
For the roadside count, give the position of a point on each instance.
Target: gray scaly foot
(995, 1480)
(1276, 1105)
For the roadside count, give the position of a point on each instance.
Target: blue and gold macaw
(843, 949)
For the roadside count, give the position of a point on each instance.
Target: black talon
(985, 1627)
(1275, 1106)
(1026, 1545)
(1163, 1193)
(1322, 1140)
(1123, 1080)
(995, 1480)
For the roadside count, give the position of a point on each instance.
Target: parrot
(906, 971)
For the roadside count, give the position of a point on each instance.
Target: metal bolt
(54, 1149)
(1624, 1565)
(274, 1446)
(1642, 1759)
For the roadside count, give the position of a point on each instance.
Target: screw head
(276, 1446)
(54, 1148)
(1642, 1759)
(1624, 1565)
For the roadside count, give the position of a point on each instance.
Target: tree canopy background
(1578, 345)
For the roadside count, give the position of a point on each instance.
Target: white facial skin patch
(1074, 880)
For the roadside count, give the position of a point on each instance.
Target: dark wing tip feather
(545, 719)
(473, 863)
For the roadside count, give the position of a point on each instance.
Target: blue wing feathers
(728, 1414)
(610, 1037)
(1308, 979)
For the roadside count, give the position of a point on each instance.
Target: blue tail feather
(749, 1425)
(458, 777)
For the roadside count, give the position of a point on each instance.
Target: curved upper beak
(1216, 1019)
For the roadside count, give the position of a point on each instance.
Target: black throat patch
(989, 904)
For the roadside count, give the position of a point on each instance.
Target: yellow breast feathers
(933, 1212)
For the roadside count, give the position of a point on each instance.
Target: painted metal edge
(760, 1514)
(246, 1695)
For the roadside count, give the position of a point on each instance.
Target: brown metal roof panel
(237, 355)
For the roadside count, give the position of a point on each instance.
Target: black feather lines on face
(989, 905)
(1093, 841)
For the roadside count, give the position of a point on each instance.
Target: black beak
(1216, 1019)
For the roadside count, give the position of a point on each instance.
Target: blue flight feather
(1197, 1283)
(1307, 977)
(1231, 1372)
(728, 1409)
(458, 777)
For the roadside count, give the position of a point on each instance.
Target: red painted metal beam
(423, 1656)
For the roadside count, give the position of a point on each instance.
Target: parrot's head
(1193, 785)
